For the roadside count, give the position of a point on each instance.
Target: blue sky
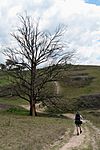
(81, 16)
(96, 2)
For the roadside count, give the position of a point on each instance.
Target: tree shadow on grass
(52, 115)
(13, 109)
(18, 110)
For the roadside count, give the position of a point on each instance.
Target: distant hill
(79, 87)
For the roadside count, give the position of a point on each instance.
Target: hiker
(78, 122)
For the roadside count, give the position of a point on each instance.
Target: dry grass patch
(28, 133)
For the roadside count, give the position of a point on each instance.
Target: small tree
(3, 66)
(35, 48)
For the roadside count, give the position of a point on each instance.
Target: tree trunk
(33, 109)
(33, 99)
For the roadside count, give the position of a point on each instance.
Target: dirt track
(89, 137)
(88, 140)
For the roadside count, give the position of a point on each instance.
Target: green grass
(3, 80)
(93, 116)
(73, 91)
(13, 101)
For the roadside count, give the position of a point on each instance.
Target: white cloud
(83, 22)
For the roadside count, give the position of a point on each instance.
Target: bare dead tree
(35, 48)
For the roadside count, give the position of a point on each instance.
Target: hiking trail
(87, 140)
(89, 137)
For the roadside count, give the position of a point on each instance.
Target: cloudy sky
(82, 18)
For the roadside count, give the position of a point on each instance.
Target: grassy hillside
(80, 80)
(79, 88)
(93, 116)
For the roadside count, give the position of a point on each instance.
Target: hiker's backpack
(77, 117)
